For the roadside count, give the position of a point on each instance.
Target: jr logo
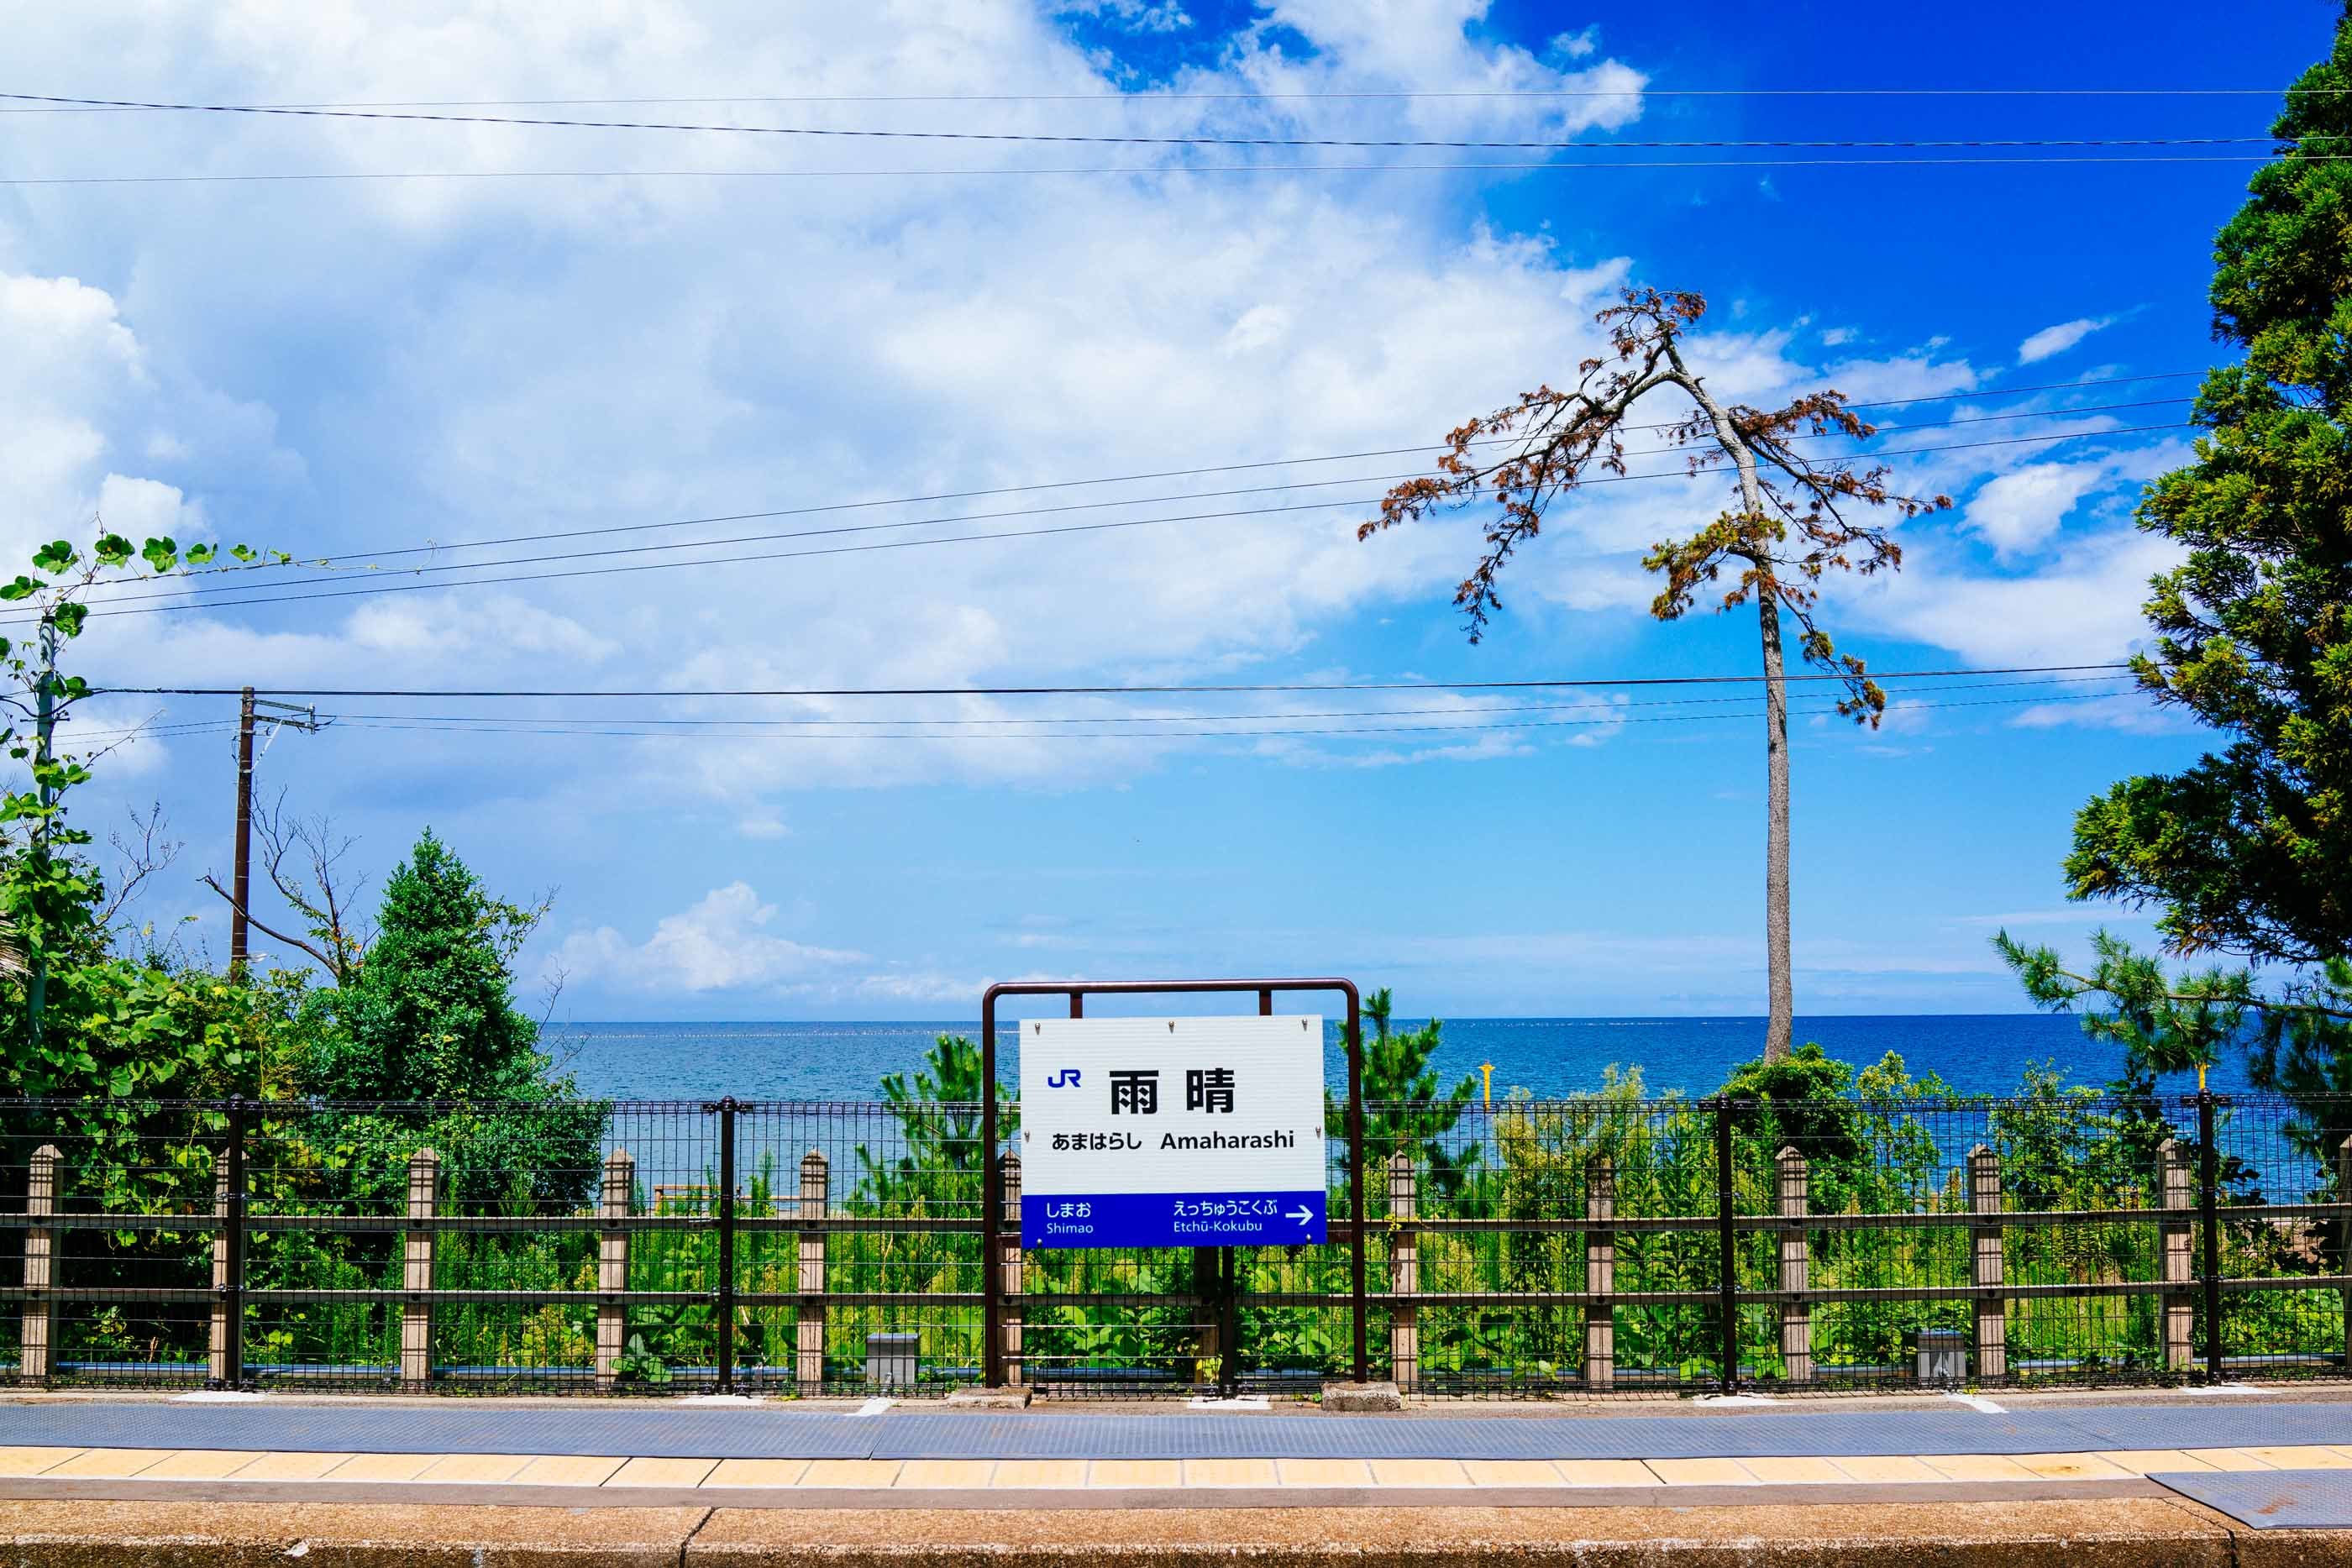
(1067, 1078)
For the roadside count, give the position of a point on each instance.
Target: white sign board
(1192, 1131)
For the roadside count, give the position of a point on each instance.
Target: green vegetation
(1405, 1110)
(111, 1026)
(2244, 854)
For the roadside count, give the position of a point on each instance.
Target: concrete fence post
(1601, 1275)
(416, 1271)
(808, 1342)
(1008, 1272)
(217, 1336)
(1797, 1316)
(2180, 1195)
(1985, 1265)
(2344, 1228)
(36, 1359)
(1404, 1270)
(614, 1199)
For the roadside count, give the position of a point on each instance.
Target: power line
(1562, 683)
(333, 565)
(1550, 165)
(80, 106)
(223, 602)
(796, 721)
(386, 552)
(519, 728)
(870, 133)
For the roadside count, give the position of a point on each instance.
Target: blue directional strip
(1173, 1219)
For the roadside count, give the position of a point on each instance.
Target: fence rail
(1585, 1246)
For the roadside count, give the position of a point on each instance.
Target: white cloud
(721, 944)
(2017, 510)
(2129, 711)
(2055, 340)
(1576, 45)
(2080, 915)
(1133, 15)
(1415, 43)
(2083, 608)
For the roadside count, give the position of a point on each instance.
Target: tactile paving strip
(584, 1428)
(754, 1433)
(2218, 1421)
(2271, 1500)
(1816, 1432)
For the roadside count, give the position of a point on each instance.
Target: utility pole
(243, 881)
(37, 984)
(307, 721)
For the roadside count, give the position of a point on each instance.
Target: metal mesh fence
(1585, 1246)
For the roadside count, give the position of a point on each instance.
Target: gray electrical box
(1938, 1355)
(890, 1359)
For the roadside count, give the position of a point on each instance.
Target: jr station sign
(1172, 1131)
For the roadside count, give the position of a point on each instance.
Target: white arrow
(1301, 1214)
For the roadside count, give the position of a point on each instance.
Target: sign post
(1222, 1174)
(1192, 1131)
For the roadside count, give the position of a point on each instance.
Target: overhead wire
(517, 727)
(339, 567)
(901, 134)
(797, 720)
(388, 552)
(1548, 165)
(1575, 683)
(78, 105)
(220, 600)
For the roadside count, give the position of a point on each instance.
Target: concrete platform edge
(1034, 1499)
(2115, 1532)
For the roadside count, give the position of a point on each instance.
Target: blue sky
(357, 365)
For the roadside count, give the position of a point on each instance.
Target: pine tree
(430, 1014)
(2248, 853)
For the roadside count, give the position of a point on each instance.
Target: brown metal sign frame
(991, 1207)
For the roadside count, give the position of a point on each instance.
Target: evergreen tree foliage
(2248, 853)
(1405, 1108)
(430, 1015)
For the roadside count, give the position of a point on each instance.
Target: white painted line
(874, 1407)
(215, 1396)
(1240, 1402)
(1976, 1402)
(2222, 1388)
(723, 1399)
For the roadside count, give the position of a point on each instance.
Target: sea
(1975, 1053)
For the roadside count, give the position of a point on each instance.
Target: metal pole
(1727, 1237)
(991, 1199)
(727, 1245)
(243, 881)
(1226, 1267)
(233, 1293)
(2209, 1204)
(1356, 1182)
